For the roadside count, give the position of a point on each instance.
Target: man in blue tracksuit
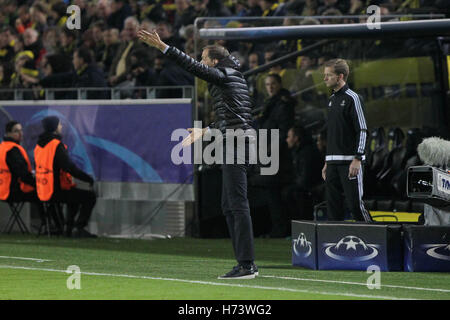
(346, 142)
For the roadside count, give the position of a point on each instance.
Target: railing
(98, 93)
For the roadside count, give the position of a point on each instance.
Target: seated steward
(54, 171)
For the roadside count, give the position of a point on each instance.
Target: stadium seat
(385, 205)
(402, 205)
(393, 162)
(15, 208)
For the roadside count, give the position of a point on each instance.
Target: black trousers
(77, 200)
(338, 183)
(236, 209)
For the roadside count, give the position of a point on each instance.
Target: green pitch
(184, 268)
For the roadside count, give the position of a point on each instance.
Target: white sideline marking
(24, 258)
(356, 283)
(214, 283)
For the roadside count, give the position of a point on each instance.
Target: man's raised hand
(152, 39)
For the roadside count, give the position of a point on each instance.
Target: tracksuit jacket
(347, 128)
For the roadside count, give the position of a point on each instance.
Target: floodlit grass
(185, 268)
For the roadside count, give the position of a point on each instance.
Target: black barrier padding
(426, 248)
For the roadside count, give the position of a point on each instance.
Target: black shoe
(82, 233)
(255, 269)
(239, 272)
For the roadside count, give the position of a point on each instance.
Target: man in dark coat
(85, 75)
(277, 113)
(307, 165)
(232, 106)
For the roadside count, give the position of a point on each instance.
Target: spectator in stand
(184, 16)
(23, 21)
(294, 7)
(97, 29)
(253, 62)
(68, 39)
(85, 75)
(25, 73)
(102, 10)
(85, 15)
(88, 74)
(10, 12)
(272, 8)
(148, 25)
(211, 8)
(59, 14)
(251, 8)
(33, 43)
(170, 74)
(342, 6)
(153, 11)
(357, 7)
(303, 85)
(306, 174)
(121, 65)
(6, 50)
(55, 64)
(332, 12)
(120, 11)
(50, 40)
(112, 44)
(278, 113)
(310, 8)
(6, 71)
(165, 31)
(141, 72)
(39, 17)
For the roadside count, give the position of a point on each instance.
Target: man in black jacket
(232, 106)
(76, 198)
(277, 113)
(85, 75)
(306, 168)
(346, 143)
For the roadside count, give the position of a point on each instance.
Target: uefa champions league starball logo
(438, 251)
(301, 246)
(351, 248)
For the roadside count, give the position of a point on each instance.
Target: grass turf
(185, 268)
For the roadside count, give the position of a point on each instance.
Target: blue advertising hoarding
(427, 248)
(123, 141)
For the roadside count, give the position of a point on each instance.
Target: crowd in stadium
(37, 50)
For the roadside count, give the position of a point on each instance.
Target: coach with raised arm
(232, 106)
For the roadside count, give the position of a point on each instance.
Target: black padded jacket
(231, 100)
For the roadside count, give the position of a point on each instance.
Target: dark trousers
(76, 200)
(236, 209)
(338, 183)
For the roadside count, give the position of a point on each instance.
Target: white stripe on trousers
(365, 213)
